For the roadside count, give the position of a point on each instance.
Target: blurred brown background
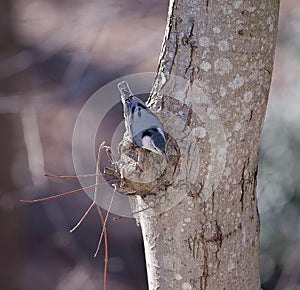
(53, 56)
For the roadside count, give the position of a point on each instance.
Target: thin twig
(105, 249)
(83, 217)
(101, 216)
(60, 194)
(131, 213)
(104, 224)
(69, 176)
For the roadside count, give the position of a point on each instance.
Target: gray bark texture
(211, 92)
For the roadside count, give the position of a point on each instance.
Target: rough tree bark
(212, 86)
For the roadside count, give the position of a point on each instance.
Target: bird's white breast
(147, 143)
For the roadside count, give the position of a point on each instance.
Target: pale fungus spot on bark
(222, 66)
(248, 96)
(171, 54)
(231, 266)
(244, 238)
(190, 203)
(237, 4)
(206, 66)
(237, 126)
(227, 10)
(212, 117)
(237, 82)
(222, 91)
(216, 30)
(199, 132)
(270, 22)
(223, 150)
(178, 277)
(187, 220)
(223, 45)
(204, 41)
(186, 286)
(251, 9)
(227, 171)
(205, 53)
(163, 79)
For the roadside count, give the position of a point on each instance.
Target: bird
(143, 126)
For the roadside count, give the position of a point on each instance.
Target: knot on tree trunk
(153, 174)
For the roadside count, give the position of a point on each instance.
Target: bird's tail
(124, 89)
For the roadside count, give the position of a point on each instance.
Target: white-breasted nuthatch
(142, 125)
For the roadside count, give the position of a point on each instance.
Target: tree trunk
(212, 86)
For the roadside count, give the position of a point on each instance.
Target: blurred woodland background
(53, 56)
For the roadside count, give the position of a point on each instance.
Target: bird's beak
(124, 89)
